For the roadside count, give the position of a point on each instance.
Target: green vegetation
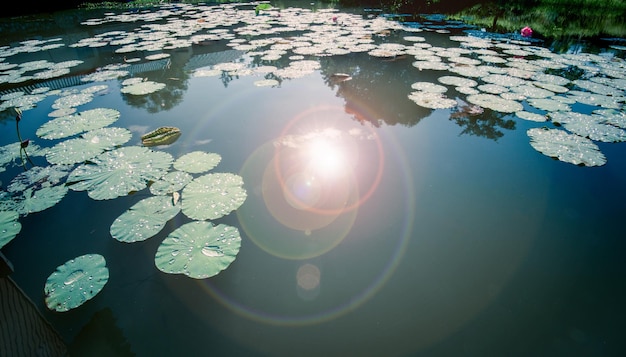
(548, 18)
(551, 18)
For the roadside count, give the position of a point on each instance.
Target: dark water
(457, 238)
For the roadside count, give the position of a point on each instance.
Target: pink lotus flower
(527, 32)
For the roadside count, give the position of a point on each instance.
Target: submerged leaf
(76, 282)
(198, 249)
(144, 219)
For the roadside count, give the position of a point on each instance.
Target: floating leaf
(266, 83)
(34, 200)
(164, 135)
(495, 103)
(91, 144)
(429, 87)
(197, 162)
(566, 147)
(213, 196)
(170, 183)
(432, 100)
(198, 249)
(144, 219)
(75, 282)
(118, 172)
(145, 87)
(9, 226)
(67, 126)
(13, 154)
(37, 189)
(39, 176)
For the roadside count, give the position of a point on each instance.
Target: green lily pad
(197, 162)
(91, 144)
(213, 196)
(10, 154)
(198, 249)
(495, 103)
(432, 100)
(70, 125)
(566, 147)
(144, 219)
(145, 87)
(9, 226)
(75, 282)
(118, 172)
(172, 182)
(38, 189)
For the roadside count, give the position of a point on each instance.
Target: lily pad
(198, 249)
(213, 196)
(495, 102)
(145, 87)
(566, 147)
(172, 182)
(37, 189)
(9, 226)
(67, 126)
(75, 282)
(197, 162)
(121, 171)
(432, 100)
(144, 219)
(13, 154)
(91, 144)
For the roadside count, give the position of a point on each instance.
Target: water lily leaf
(198, 249)
(75, 282)
(34, 200)
(213, 196)
(116, 173)
(13, 154)
(197, 162)
(172, 182)
(9, 226)
(432, 100)
(67, 126)
(39, 176)
(596, 131)
(566, 147)
(145, 87)
(37, 189)
(91, 144)
(144, 219)
(495, 103)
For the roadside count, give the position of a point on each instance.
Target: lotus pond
(237, 180)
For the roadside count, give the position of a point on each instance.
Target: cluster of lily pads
(502, 75)
(516, 77)
(93, 159)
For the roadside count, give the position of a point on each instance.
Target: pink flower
(527, 32)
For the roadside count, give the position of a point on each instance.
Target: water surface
(402, 231)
